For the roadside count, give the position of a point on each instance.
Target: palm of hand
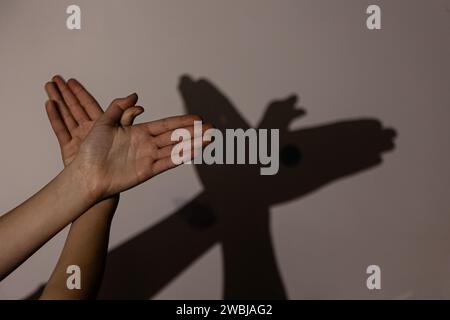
(119, 157)
(71, 148)
(110, 152)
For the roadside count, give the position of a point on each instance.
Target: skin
(87, 242)
(113, 157)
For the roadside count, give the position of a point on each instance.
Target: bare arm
(26, 228)
(87, 242)
(86, 246)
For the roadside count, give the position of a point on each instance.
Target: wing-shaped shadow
(234, 207)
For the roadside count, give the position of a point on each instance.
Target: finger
(87, 101)
(71, 101)
(291, 100)
(196, 143)
(130, 114)
(165, 139)
(167, 163)
(54, 95)
(116, 109)
(57, 123)
(160, 126)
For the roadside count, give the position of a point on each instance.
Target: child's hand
(72, 111)
(111, 154)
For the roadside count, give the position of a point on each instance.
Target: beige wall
(396, 215)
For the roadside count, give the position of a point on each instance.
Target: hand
(72, 112)
(115, 155)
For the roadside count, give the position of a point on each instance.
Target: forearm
(86, 246)
(26, 228)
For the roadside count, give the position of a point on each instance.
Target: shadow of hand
(309, 158)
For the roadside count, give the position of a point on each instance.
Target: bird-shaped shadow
(234, 207)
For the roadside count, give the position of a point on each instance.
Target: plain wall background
(396, 215)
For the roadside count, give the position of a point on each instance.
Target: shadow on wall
(234, 207)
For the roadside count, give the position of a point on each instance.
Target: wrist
(86, 183)
(107, 207)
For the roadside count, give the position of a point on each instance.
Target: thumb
(129, 115)
(117, 107)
